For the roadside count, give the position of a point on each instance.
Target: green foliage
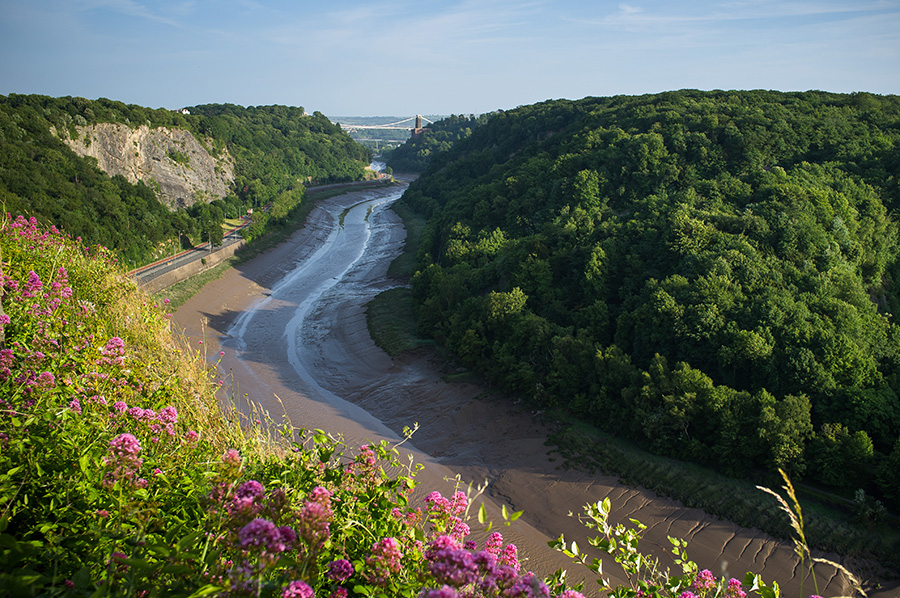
(179, 157)
(709, 273)
(120, 475)
(646, 577)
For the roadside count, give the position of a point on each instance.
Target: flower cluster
(113, 353)
(493, 571)
(122, 461)
(263, 535)
(315, 518)
(383, 561)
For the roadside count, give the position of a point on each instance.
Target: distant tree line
(711, 274)
(417, 152)
(277, 150)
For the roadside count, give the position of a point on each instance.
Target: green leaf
(207, 590)
(176, 569)
(7, 541)
(189, 540)
(138, 563)
(159, 549)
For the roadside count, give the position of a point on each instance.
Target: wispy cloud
(129, 8)
(629, 15)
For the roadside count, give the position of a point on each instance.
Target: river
(292, 325)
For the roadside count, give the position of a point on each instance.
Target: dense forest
(416, 153)
(711, 274)
(276, 150)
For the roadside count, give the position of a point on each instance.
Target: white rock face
(170, 161)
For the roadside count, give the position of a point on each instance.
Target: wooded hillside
(711, 274)
(276, 151)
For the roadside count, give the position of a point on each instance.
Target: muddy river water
(293, 328)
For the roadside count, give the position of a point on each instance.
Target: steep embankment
(171, 161)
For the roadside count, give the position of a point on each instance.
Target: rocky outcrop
(170, 161)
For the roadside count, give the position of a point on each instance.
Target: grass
(390, 315)
(405, 264)
(392, 323)
(180, 292)
(828, 527)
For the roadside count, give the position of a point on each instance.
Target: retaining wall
(163, 281)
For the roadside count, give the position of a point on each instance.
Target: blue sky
(401, 57)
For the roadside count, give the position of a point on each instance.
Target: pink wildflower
(442, 592)
(449, 563)
(340, 570)
(168, 415)
(437, 504)
(297, 589)
(383, 561)
(529, 585)
(460, 531)
(262, 533)
(231, 464)
(123, 459)
(113, 352)
(510, 557)
(33, 285)
(494, 544)
(315, 517)
(459, 503)
(45, 380)
(734, 589)
(704, 580)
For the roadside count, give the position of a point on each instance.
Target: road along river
(293, 328)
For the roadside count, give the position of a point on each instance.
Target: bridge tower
(418, 130)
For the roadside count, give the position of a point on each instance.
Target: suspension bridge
(413, 123)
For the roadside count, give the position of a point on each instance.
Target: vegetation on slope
(277, 151)
(709, 274)
(121, 476)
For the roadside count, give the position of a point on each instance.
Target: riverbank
(362, 394)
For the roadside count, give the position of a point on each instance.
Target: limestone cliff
(170, 161)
